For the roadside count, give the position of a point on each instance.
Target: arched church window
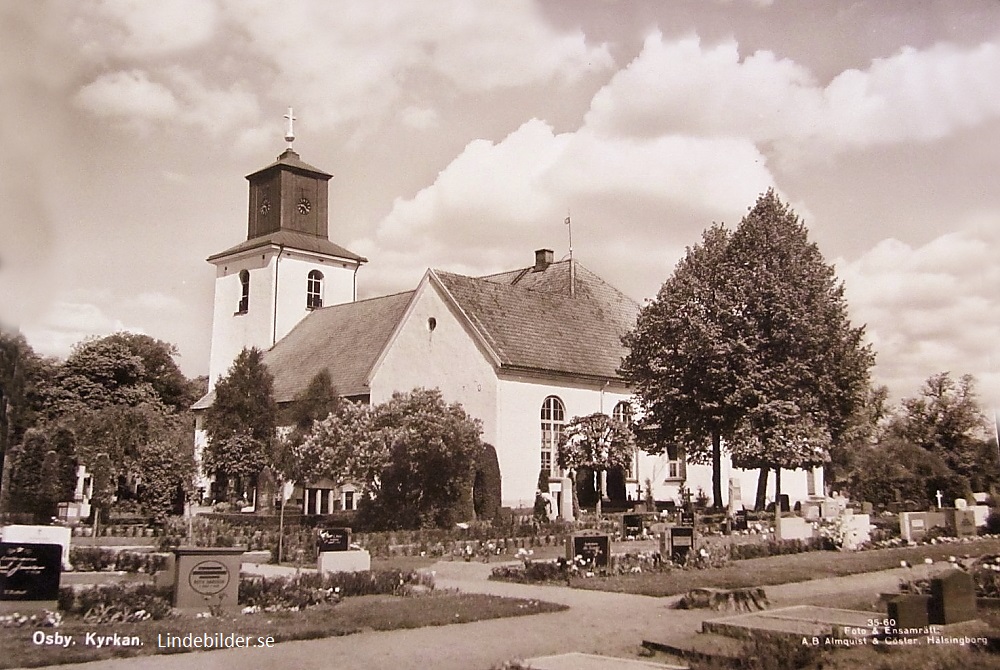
(314, 290)
(244, 292)
(623, 413)
(553, 420)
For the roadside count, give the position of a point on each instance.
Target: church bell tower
(286, 268)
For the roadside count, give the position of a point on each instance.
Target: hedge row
(98, 559)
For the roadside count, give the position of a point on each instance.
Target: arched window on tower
(623, 413)
(244, 292)
(553, 420)
(314, 290)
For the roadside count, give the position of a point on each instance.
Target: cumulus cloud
(351, 61)
(682, 85)
(635, 205)
(931, 307)
(128, 94)
(179, 96)
(67, 323)
(142, 29)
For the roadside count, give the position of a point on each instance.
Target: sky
(461, 134)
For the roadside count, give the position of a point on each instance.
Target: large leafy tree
(20, 371)
(684, 358)
(598, 442)
(431, 459)
(346, 447)
(240, 424)
(807, 368)
(947, 420)
(750, 342)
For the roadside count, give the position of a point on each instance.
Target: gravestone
(686, 517)
(914, 525)
(867, 508)
(961, 522)
(961, 503)
(40, 535)
(811, 511)
(981, 513)
(735, 494)
(207, 578)
(740, 520)
(792, 528)
(953, 598)
(266, 490)
(333, 539)
(592, 547)
(908, 610)
(334, 552)
(29, 576)
(677, 543)
(632, 525)
(857, 530)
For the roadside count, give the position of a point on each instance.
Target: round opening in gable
(432, 324)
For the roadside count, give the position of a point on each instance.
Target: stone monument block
(40, 535)
(352, 560)
(953, 598)
(793, 528)
(908, 610)
(29, 576)
(961, 522)
(632, 525)
(333, 539)
(207, 577)
(593, 547)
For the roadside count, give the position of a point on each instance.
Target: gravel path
(596, 622)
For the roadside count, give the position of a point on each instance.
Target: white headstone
(960, 503)
(40, 535)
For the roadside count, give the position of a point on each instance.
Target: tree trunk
(717, 469)
(599, 474)
(761, 502)
(777, 485)
(281, 524)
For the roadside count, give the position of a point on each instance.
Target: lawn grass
(782, 569)
(352, 615)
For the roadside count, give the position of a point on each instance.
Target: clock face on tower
(304, 206)
(265, 206)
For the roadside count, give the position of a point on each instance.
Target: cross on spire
(290, 133)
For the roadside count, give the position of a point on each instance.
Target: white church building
(524, 351)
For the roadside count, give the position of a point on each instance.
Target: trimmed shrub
(486, 496)
(98, 559)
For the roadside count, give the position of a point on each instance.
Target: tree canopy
(750, 340)
(241, 422)
(598, 442)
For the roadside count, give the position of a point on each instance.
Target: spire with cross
(290, 133)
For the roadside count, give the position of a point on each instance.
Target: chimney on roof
(543, 259)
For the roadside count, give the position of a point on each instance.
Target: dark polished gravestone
(908, 611)
(333, 539)
(740, 521)
(632, 525)
(594, 548)
(676, 542)
(29, 575)
(953, 598)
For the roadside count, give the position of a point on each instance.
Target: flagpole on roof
(572, 269)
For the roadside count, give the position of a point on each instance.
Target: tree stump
(750, 599)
